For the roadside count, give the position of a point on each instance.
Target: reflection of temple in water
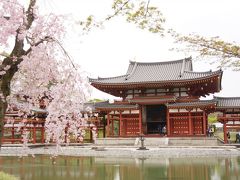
(42, 167)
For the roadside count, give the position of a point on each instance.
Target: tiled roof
(106, 105)
(115, 106)
(153, 100)
(139, 72)
(225, 102)
(200, 103)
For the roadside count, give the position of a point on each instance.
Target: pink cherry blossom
(45, 73)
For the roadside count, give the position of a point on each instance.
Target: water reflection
(98, 168)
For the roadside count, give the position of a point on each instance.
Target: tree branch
(147, 8)
(228, 52)
(46, 38)
(116, 12)
(30, 14)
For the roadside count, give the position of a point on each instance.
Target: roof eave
(156, 82)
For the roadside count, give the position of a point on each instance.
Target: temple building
(160, 99)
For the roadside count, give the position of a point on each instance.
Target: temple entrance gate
(156, 119)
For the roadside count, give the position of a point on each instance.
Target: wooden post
(204, 123)
(140, 120)
(168, 124)
(190, 122)
(42, 133)
(12, 134)
(225, 131)
(108, 124)
(112, 131)
(34, 133)
(120, 123)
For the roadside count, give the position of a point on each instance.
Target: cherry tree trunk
(3, 107)
(5, 82)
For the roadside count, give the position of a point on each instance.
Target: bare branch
(147, 8)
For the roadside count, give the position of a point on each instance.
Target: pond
(99, 168)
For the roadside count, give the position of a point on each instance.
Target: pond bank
(132, 152)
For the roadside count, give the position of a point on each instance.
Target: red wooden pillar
(34, 133)
(112, 121)
(168, 124)
(204, 123)
(125, 127)
(12, 134)
(225, 131)
(108, 124)
(190, 123)
(225, 138)
(140, 120)
(42, 133)
(120, 123)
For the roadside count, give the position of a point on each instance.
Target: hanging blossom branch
(42, 72)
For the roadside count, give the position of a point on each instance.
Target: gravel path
(153, 152)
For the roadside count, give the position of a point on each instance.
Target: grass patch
(6, 176)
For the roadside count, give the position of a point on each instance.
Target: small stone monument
(142, 139)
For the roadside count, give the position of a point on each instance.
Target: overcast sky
(106, 52)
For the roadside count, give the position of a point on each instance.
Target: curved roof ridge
(132, 71)
(114, 77)
(183, 68)
(163, 62)
(217, 97)
(201, 72)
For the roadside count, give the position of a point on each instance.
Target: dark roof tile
(227, 102)
(139, 72)
(200, 103)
